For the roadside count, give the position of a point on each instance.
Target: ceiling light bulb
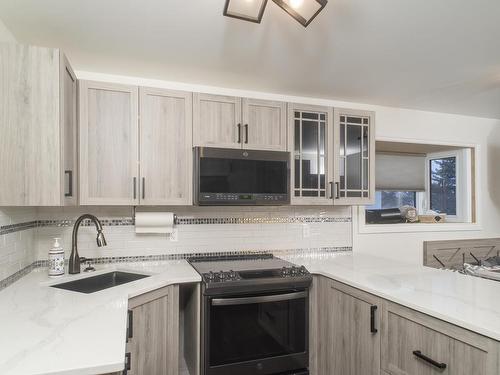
(296, 3)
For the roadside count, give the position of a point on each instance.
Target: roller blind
(400, 172)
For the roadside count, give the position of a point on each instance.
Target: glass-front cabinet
(333, 155)
(354, 152)
(312, 142)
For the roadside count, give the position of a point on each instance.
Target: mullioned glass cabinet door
(311, 128)
(354, 152)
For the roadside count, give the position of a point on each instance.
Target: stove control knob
(222, 275)
(232, 275)
(303, 270)
(294, 271)
(284, 272)
(210, 276)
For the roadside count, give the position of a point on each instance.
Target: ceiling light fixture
(304, 11)
(247, 10)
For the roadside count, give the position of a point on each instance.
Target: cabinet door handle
(331, 190)
(246, 133)
(418, 354)
(337, 190)
(128, 361)
(239, 133)
(130, 328)
(143, 188)
(70, 183)
(135, 187)
(373, 310)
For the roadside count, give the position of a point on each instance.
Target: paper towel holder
(135, 211)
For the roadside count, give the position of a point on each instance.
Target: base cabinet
(355, 333)
(153, 333)
(345, 337)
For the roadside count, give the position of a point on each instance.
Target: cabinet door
(29, 126)
(153, 348)
(166, 147)
(217, 121)
(345, 333)
(108, 144)
(264, 125)
(69, 131)
(354, 157)
(311, 141)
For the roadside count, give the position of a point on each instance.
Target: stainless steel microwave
(241, 177)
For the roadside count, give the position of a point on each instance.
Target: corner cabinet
(354, 152)
(109, 146)
(38, 93)
(127, 159)
(233, 122)
(332, 155)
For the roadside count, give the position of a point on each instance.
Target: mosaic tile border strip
(180, 221)
(320, 251)
(6, 229)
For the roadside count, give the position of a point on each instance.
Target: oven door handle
(259, 299)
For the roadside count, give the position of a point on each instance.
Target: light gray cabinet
(233, 122)
(345, 332)
(333, 155)
(153, 333)
(354, 157)
(166, 156)
(38, 127)
(109, 146)
(311, 145)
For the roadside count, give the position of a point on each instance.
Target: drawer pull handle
(373, 310)
(418, 354)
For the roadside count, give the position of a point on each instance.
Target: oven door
(257, 334)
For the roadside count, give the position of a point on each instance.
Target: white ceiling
(435, 55)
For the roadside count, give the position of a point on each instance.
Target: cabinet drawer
(416, 349)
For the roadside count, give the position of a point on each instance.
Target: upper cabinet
(311, 142)
(130, 160)
(109, 147)
(166, 147)
(38, 127)
(232, 122)
(333, 155)
(354, 152)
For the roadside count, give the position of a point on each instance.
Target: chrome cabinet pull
(239, 133)
(246, 133)
(418, 354)
(337, 190)
(331, 190)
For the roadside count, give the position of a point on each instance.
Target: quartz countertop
(48, 330)
(466, 301)
(53, 331)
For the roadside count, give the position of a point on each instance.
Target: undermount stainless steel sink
(99, 282)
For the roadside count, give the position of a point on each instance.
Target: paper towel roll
(154, 222)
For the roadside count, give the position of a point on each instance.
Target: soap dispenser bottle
(56, 259)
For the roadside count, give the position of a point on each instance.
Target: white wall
(403, 124)
(5, 34)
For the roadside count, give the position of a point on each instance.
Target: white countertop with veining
(466, 301)
(46, 330)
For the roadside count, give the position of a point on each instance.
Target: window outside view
(443, 185)
(394, 199)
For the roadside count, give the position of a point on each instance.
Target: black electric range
(254, 315)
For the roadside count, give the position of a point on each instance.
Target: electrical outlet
(174, 236)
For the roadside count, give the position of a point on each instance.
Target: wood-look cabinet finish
(345, 331)
(166, 156)
(354, 157)
(416, 344)
(264, 125)
(233, 122)
(109, 146)
(38, 127)
(153, 343)
(355, 333)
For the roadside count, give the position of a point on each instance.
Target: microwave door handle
(259, 299)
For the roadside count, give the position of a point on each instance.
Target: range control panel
(228, 276)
